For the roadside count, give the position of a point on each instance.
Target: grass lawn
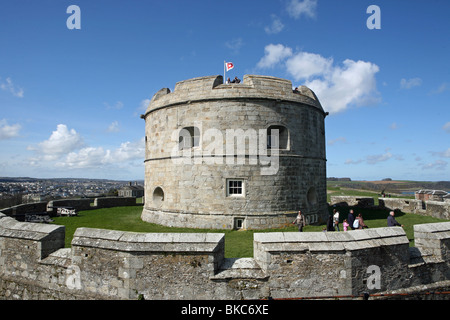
(237, 243)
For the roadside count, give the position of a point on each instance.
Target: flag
(229, 65)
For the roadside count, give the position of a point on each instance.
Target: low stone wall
(21, 209)
(108, 202)
(78, 204)
(107, 264)
(437, 209)
(365, 202)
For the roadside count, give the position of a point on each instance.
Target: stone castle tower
(224, 156)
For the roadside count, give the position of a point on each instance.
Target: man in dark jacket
(351, 219)
(391, 222)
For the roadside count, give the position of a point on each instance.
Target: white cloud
(438, 165)
(129, 151)
(61, 141)
(234, 44)
(9, 86)
(410, 83)
(443, 154)
(144, 104)
(446, 127)
(337, 86)
(298, 8)
(350, 161)
(374, 159)
(64, 152)
(113, 127)
(91, 157)
(276, 27)
(305, 65)
(274, 53)
(334, 141)
(117, 106)
(442, 88)
(352, 84)
(85, 158)
(8, 131)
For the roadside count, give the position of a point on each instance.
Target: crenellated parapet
(111, 264)
(252, 87)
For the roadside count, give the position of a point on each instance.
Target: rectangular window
(235, 187)
(238, 223)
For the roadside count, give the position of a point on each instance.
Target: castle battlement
(110, 264)
(213, 88)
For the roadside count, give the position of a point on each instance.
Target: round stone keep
(232, 156)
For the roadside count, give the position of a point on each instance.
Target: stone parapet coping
(331, 241)
(11, 228)
(149, 242)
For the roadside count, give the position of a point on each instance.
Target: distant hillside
(391, 186)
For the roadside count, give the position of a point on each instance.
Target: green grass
(237, 243)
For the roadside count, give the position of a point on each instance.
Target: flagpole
(224, 66)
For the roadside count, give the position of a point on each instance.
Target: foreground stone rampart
(109, 264)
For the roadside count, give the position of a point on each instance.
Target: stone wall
(78, 204)
(436, 209)
(25, 208)
(109, 202)
(363, 202)
(107, 264)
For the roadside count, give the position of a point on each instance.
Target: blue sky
(70, 99)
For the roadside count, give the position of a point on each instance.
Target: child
(345, 224)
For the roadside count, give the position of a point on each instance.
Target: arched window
(283, 137)
(188, 137)
(311, 196)
(158, 196)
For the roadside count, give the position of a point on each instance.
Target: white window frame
(240, 184)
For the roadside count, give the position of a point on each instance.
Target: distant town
(14, 191)
(18, 190)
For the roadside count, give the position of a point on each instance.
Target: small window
(189, 137)
(238, 223)
(235, 187)
(283, 137)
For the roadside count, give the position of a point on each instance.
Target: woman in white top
(336, 219)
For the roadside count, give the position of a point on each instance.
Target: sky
(73, 83)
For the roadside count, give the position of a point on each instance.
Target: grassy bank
(237, 243)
